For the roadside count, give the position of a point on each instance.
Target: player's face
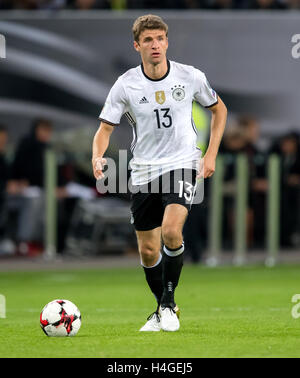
(152, 46)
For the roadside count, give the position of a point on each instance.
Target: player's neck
(155, 71)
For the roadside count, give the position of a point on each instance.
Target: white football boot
(152, 324)
(169, 318)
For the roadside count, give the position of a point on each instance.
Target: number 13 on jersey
(163, 118)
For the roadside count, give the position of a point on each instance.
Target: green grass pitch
(225, 312)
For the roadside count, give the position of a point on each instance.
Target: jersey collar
(162, 78)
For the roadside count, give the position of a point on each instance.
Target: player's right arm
(110, 117)
(100, 145)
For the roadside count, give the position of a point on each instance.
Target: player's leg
(177, 203)
(149, 245)
(172, 226)
(147, 214)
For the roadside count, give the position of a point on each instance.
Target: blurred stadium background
(60, 61)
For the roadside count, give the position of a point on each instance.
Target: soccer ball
(60, 318)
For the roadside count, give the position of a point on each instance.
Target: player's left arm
(217, 126)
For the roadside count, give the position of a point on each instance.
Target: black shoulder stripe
(130, 118)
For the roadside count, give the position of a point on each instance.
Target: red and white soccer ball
(60, 318)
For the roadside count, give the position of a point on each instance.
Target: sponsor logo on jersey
(178, 92)
(144, 101)
(160, 97)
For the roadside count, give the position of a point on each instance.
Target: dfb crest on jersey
(160, 97)
(178, 92)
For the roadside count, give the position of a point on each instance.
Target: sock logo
(170, 286)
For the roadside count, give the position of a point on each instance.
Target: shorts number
(188, 192)
(166, 118)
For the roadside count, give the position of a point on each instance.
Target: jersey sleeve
(115, 104)
(203, 92)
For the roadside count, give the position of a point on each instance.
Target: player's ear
(136, 46)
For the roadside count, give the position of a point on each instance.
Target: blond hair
(149, 21)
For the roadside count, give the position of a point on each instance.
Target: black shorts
(149, 201)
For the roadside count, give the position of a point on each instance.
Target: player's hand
(207, 166)
(98, 165)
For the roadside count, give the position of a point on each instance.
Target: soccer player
(156, 97)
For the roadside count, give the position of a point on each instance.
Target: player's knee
(172, 236)
(148, 254)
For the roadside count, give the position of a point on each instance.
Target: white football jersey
(160, 113)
